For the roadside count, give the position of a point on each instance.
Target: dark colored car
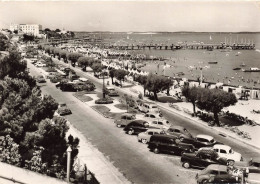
(180, 132)
(169, 144)
(63, 110)
(201, 141)
(201, 159)
(217, 171)
(251, 166)
(40, 79)
(136, 127)
(223, 179)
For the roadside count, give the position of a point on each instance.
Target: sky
(126, 16)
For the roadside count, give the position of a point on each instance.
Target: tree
(120, 75)
(191, 95)
(84, 62)
(112, 74)
(157, 83)
(73, 57)
(12, 65)
(9, 151)
(57, 30)
(142, 79)
(47, 30)
(63, 54)
(3, 42)
(27, 38)
(96, 67)
(214, 100)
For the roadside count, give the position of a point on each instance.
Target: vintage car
(40, 79)
(148, 107)
(159, 123)
(150, 116)
(169, 144)
(145, 137)
(124, 119)
(63, 109)
(213, 171)
(110, 91)
(202, 141)
(251, 166)
(136, 127)
(201, 159)
(228, 153)
(180, 132)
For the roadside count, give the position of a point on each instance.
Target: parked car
(39, 64)
(111, 91)
(136, 127)
(144, 137)
(151, 116)
(228, 153)
(63, 109)
(180, 132)
(251, 166)
(159, 123)
(201, 159)
(169, 144)
(215, 171)
(202, 141)
(40, 79)
(148, 107)
(82, 79)
(253, 178)
(51, 75)
(124, 119)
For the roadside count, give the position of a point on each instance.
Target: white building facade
(31, 29)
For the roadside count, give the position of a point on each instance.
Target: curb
(94, 108)
(171, 110)
(202, 124)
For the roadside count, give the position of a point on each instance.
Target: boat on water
(252, 69)
(212, 62)
(237, 68)
(243, 64)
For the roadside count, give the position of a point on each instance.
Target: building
(31, 29)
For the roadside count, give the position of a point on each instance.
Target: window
(160, 123)
(202, 140)
(223, 151)
(222, 172)
(150, 133)
(155, 133)
(123, 117)
(147, 115)
(152, 116)
(217, 150)
(214, 172)
(177, 131)
(129, 118)
(154, 122)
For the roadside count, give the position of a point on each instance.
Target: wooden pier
(209, 47)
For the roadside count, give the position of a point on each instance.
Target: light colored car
(160, 123)
(39, 64)
(151, 116)
(144, 137)
(124, 119)
(82, 79)
(148, 107)
(180, 132)
(228, 153)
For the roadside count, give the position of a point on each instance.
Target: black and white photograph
(130, 92)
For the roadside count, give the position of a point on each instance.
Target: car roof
(109, 87)
(128, 114)
(204, 136)
(177, 127)
(217, 167)
(154, 130)
(221, 146)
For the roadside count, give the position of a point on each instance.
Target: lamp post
(68, 163)
(103, 72)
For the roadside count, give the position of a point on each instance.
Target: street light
(69, 150)
(103, 72)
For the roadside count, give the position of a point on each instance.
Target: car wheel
(231, 162)
(130, 132)
(144, 141)
(156, 150)
(186, 165)
(118, 125)
(205, 181)
(181, 139)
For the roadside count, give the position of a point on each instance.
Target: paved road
(246, 150)
(133, 159)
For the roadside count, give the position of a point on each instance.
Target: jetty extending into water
(208, 47)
